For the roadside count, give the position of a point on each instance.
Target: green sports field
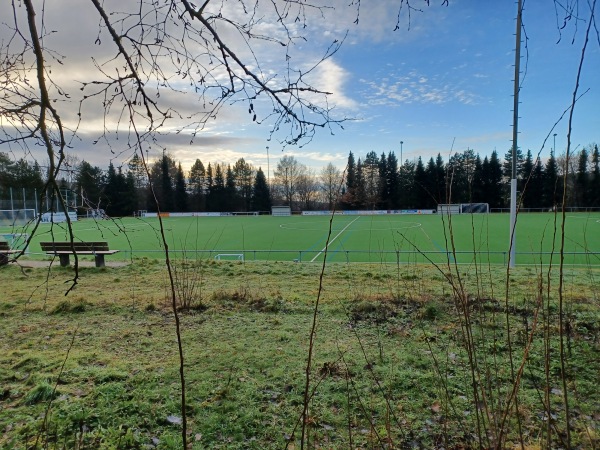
(384, 238)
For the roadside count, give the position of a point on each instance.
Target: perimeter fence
(496, 258)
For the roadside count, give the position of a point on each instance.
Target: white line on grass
(331, 241)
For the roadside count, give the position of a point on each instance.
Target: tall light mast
(513, 182)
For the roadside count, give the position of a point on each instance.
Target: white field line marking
(331, 241)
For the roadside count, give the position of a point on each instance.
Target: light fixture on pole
(554, 144)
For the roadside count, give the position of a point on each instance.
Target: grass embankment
(99, 369)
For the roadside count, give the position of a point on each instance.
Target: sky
(440, 83)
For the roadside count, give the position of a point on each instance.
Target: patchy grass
(391, 365)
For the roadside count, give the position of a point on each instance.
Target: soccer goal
(281, 211)
(463, 208)
(230, 256)
(13, 217)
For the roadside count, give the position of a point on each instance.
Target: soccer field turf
(387, 238)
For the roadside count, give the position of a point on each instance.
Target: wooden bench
(5, 251)
(64, 249)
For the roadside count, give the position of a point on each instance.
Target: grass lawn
(408, 238)
(99, 368)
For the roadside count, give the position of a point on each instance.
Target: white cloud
(415, 88)
(331, 77)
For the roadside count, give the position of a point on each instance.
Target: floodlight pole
(401, 160)
(268, 169)
(401, 168)
(513, 181)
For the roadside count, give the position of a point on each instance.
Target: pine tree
(261, 196)
(209, 188)
(90, 183)
(349, 192)
(431, 186)
(393, 181)
(359, 197)
(422, 197)
(507, 166)
(162, 175)
(478, 184)
(181, 195)
(136, 168)
(551, 186)
(384, 188)
(536, 184)
(217, 190)
(524, 183)
(132, 200)
(350, 174)
(581, 179)
(440, 179)
(461, 172)
(111, 190)
(494, 183)
(230, 196)
(6, 175)
(120, 196)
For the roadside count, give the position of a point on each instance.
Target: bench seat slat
(83, 252)
(77, 246)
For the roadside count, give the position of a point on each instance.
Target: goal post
(281, 211)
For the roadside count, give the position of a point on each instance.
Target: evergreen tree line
(19, 182)
(380, 183)
(372, 182)
(214, 188)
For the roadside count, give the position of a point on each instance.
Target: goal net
(474, 208)
(11, 217)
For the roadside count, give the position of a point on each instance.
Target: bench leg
(64, 259)
(3, 259)
(99, 260)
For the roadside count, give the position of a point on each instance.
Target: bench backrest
(77, 246)
(4, 246)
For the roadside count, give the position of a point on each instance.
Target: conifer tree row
(369, 182)
(466, 178)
